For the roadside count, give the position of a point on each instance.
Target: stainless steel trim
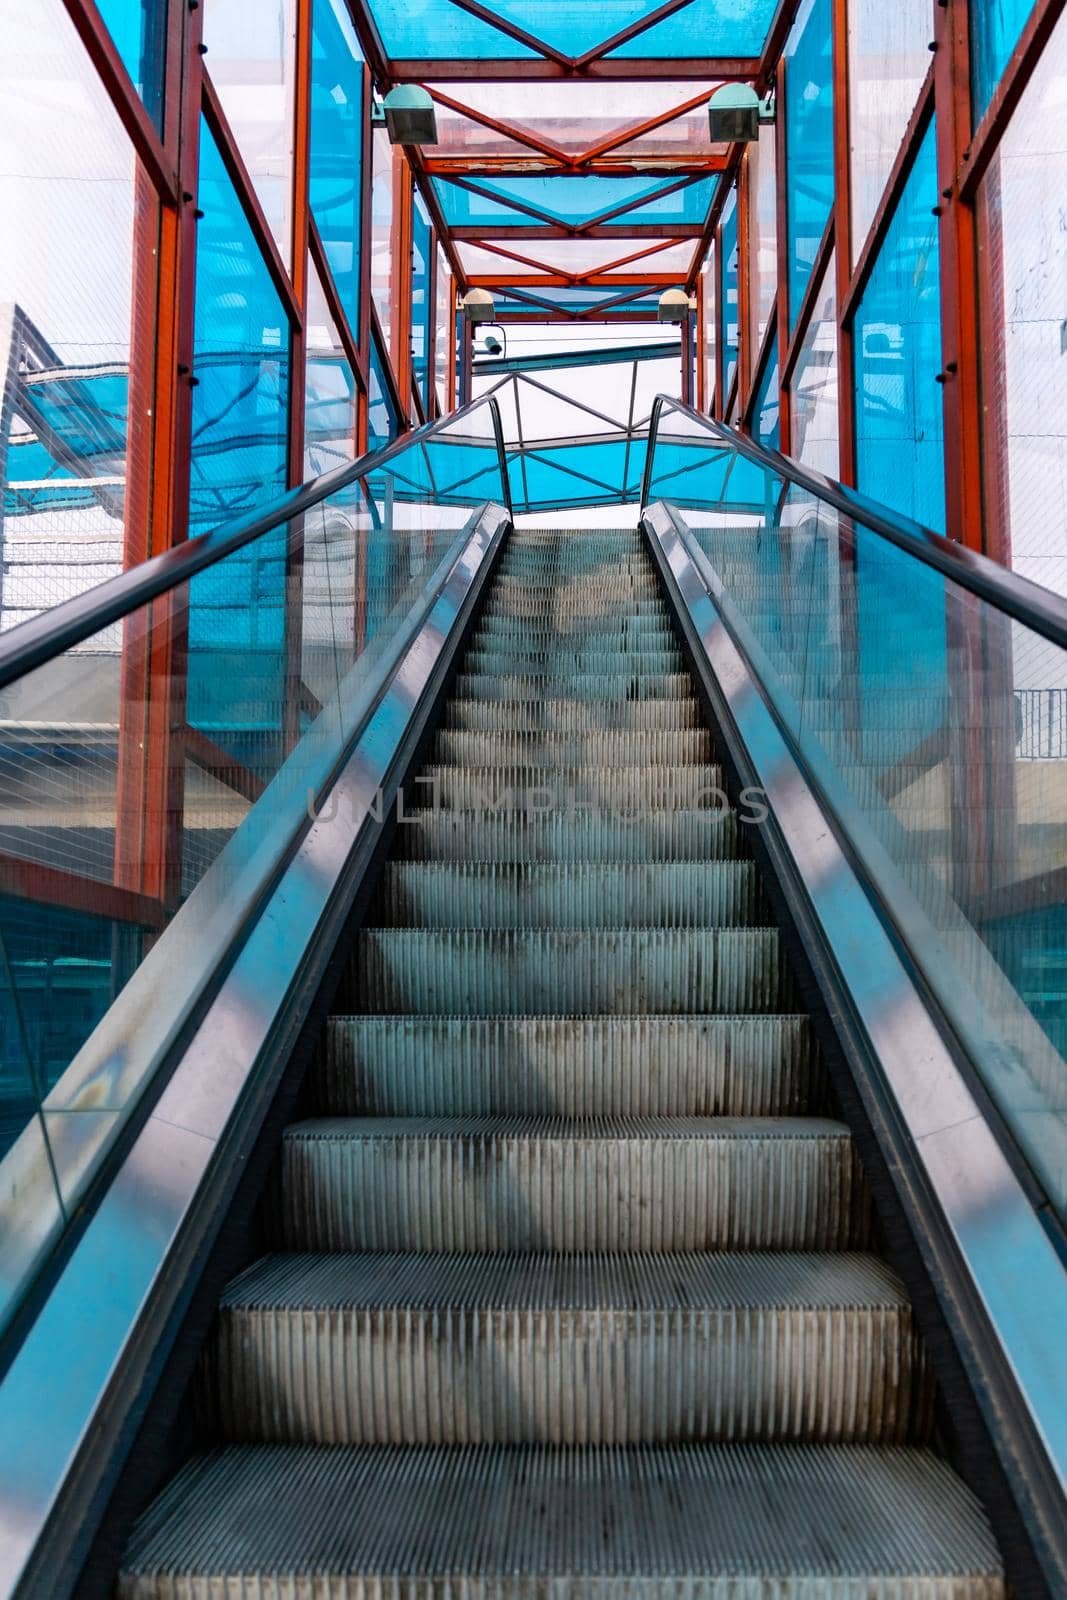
(1016, 1274)
(60, 627)
(1036, 607)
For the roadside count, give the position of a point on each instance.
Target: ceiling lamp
(674, 306)
(478, 306)
(410, 116)
(735, 113)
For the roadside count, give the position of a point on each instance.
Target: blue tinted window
(728, 302)
(440, 29)
(239, 454)
(337, 146)
(383, 424)
(766, 417)
(809, 132)
(569, 200)
(421, 304)
(897, 354)
(995, 28)
(139, 31)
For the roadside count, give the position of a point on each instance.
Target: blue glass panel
(383, 424)
(59, 972)
(336, 146)
(436, 28)
(729, 323)
(767, 418)
(608, 302)
(570, 200)
(239, 452)
(897, 344)
(421, 305)
(995, 28)
(139, 30)
(809, 132)
(899, 448)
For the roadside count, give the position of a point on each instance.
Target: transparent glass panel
(139, 31)
(897, 358)
(767, 413)
(809, 132)
(711, 330)
(813, 389)
(336, 174)
(625, 255)
(444, 331)
(904, 694)
(329, 388)
(120, 809)
(995, 27)
(78, 253)
(251, 46)
(729, 310)
(1021, 276)
(381, 252)
(421, 299)
(383, 420)
(888, 62)
(763, 235)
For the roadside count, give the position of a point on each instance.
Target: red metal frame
(93, 32)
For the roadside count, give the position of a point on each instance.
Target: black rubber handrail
(1035, 607)
(58, 629)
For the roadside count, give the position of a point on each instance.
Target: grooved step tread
(552, 1183)
(479, 894)
(569, 1066)
(639, 1348)
(715, 1522)
(428, 835)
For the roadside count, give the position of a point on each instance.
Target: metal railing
(1017, 597)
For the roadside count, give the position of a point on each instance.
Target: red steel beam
(529, 166)
(631, 31)
(637, 130)
(73, 891)
(846, 406)
(635, 230)
(506, 130)
(560, 280)
(705, 69)
(513, 31)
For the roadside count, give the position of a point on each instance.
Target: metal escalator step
(560, 665)
(553, 611)
(576, 641)
(430, 835)
(476, 894)
(566, 1349)
(569, 1066)
(598, 686)
(525, 1183)
(599, 748)
(507, 1522)
(631, 791)
(517, 972)
(573, 716)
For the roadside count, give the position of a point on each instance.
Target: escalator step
(616, 972)
(569, 1066)
(437, 835)
(526, 1183)
(512, 1349)
(573, 716)
(622, 791)
(558, 664)
(600, 748)
(684, 894)
(619, 687)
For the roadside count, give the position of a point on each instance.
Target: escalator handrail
(54, 631)
(1021, 599)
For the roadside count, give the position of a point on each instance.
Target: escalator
(572, 1278)
(570, 1126)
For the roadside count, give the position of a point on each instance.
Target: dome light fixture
(477, 306)
(410, 117)
(674, 306)
(736, 113)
